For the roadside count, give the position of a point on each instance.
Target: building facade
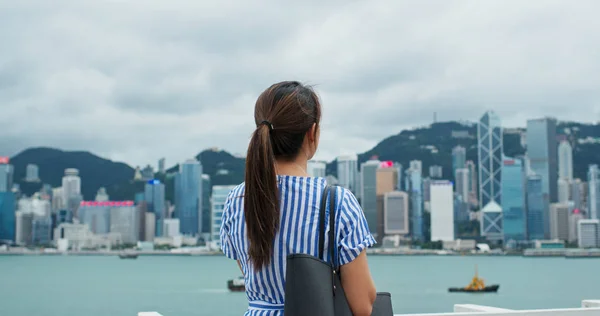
(513, 200)
(542, 153)
(442, 211)
(565, 161)
(395, 209)
(459, 158)
(125, 220)
(7, 216)
(188, 197)
(462, 183)
(347, 171)
(559, 221)
(537, 209)
(594, 192)
(490, 149)
(589, 233)
(316, 168)
(154, 193)
(218, 199)
(369, 192)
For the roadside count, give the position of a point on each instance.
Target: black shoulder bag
(313, 286)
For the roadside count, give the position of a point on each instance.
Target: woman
(275, 211)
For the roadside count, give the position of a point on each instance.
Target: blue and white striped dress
(298, 233)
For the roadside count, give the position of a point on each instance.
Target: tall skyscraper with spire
(490, 149)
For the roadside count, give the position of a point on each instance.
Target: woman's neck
(292, 168)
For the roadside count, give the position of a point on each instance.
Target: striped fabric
(298, 233)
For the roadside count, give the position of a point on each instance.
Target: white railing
(588, 308)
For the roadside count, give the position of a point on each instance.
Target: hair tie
(269, 124)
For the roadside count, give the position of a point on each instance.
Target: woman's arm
(358, 285)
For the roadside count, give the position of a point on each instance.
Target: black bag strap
(332, 244)
(329, 192)
(322, 222)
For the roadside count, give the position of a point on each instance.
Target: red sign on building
(4, 160)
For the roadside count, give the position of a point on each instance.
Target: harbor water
(196, 285)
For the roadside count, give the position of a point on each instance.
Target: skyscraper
(206, 209)
(462, 183)
(154, 193)
(459, 157)
(395, 209)
(387, 180)
(442, 211)
(435, 172)
(537, 209)
(32, 173)
(578, 194)
(542, 153)
(7, 216)
(71, 186)
(490, 148)
(219, 197)
(415, 190)
(559, 221)
(6, 175)
(188, 197)
(316, 168)
(513, 200)
(565, 161)
(594, 192)
(161, 166)
(417, 165)
(589, 233)
(564, 190)
(347, 170)
(368, 171)
(125, 219)
(473, 184)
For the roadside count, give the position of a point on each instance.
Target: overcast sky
(138, 80)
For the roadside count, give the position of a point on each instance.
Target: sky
(135, 81)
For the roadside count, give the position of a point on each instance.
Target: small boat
(477, 285)
(128, 255)
(237, 285)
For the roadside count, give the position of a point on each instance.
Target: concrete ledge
(470, 308)
(149, 314)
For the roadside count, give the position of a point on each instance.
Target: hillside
(224, 168)
(96, 171)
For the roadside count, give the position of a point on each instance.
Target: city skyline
(110, 70)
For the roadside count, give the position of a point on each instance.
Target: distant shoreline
(535, 253)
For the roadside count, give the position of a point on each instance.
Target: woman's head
(287, 117)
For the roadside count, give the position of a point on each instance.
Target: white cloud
(138, 82)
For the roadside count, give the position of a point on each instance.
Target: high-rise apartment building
(542, 153)
(316, 169)
(559, 221)
(347, 171)
(395, 210)
(125, 220)
(490, 149)
(219, 197)
(161, 166)
(589, 233)
(188, 197)
(442, 211)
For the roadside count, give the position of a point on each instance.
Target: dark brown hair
(283, 114)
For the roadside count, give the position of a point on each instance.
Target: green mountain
(431, 144)
(95, 171)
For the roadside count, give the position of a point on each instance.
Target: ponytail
(261, 199)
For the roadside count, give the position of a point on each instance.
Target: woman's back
(299, 202)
